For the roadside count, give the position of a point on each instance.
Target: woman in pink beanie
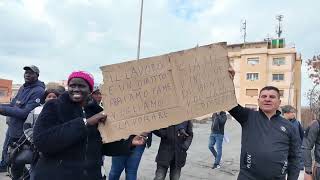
(66, 135)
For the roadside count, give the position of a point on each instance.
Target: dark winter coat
(69, 149)
(311, 140)
(172, 146)
(27, 98)
(298, 127)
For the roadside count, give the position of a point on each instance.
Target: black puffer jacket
(172, 146)
(69, 149)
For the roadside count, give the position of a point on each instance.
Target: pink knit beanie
(83, 75)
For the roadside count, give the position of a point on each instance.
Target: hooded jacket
(27, 98)
(69, 149)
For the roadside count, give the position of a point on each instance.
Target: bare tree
(313, 94)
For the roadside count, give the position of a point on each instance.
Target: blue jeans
(216, 139)
(130, 163)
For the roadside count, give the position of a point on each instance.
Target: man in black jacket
(270, 144)
(289, 113)
(175, 141)
(216, 137)
(310, 140)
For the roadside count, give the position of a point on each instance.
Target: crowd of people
(55, 132)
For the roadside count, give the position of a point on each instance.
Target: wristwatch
(308, 172)
(85, 121)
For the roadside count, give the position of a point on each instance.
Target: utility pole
(140, 25)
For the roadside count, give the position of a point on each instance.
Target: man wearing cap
(97, 96)
(289, 113)
(27, 98)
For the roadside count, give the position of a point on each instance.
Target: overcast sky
(62, 36)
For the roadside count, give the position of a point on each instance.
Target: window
(252, 92)
(252, 76)
(281, 93)
(279, 61)
(277, 77)
(3, 92)
(253, 61)
(251, 106)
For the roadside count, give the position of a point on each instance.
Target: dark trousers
(16, 168)
(4, 155)
(161, 172)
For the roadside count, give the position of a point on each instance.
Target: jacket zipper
(87, 138)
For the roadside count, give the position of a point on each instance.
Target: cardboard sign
(153, 93)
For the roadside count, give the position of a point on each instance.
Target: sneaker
(216, 166)
(3, 169)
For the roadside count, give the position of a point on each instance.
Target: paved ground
(199, 159)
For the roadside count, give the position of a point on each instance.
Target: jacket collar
(278, 113)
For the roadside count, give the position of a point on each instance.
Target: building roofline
(240, 44)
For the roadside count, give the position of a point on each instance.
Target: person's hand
(97, 118)
(182, 132)
(144, 134)
(138, 140)
(307, 176)
(231, 72)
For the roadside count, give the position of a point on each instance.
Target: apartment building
(258, 64)
(5, 90)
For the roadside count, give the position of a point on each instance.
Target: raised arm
(240, 113)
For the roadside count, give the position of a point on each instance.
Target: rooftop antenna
(279, 28)
(139, 38)
(267, 38)
(243, 30)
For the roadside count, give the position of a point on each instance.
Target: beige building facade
(260, 64)
(5, 90)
